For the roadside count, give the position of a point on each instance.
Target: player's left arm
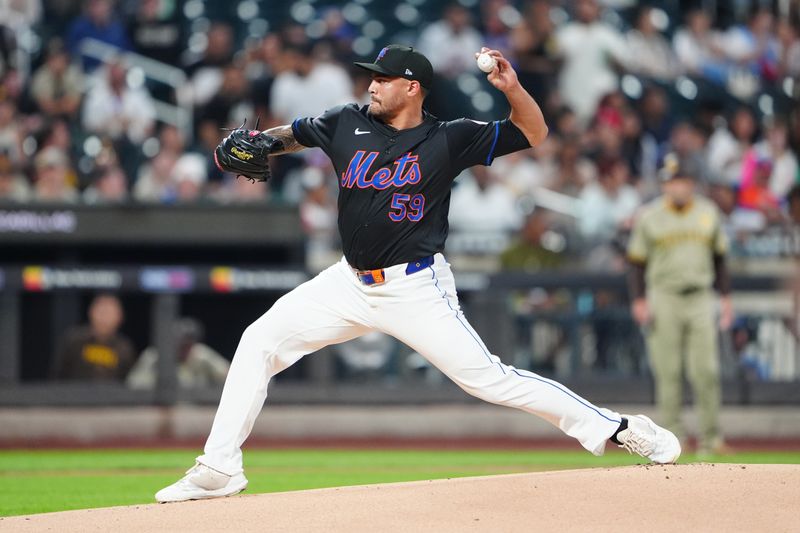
(287, 138)
(525, 112)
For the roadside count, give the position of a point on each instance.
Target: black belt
(377, 276)
(686, 291)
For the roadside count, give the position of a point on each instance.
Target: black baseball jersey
(394, 185)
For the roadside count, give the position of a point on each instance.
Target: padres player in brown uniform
(395, 164)
(677, 249)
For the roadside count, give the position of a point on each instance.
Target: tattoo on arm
(285, 135)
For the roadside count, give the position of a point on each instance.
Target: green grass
(56, 480)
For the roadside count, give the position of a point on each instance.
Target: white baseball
(486, 63)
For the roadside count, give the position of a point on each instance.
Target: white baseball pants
(419, 309)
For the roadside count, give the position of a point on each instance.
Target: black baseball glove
(245, 153)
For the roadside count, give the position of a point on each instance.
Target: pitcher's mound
(704, 497)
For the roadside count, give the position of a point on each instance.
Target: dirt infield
(704, 497)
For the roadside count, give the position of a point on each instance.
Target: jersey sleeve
(637, 245)
(318, 131)
(719, 240)
(472, 142)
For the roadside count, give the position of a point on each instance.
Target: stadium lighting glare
(247, 10)
(151, 147)
(468, 83)
(788, 86)
(482, 101)
(766, 104)
(686, 87)
(631, 86)
(373, 29)
(302, 12)
(200, 25)
(659, 19)
(363, 46)
(316, 29)
(193, 9)
(135, 77)
(198, 42)
(354, 13)
(407, 14)
(92, 146)
(258, 27)
(509, 16)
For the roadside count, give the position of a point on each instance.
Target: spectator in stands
(793, 204)
(14, 186)
(654, 110)
(55, 180)
(482, 205)
(789, 54)
(774, 145)
(593, 52)
(737, 222)
(206, 72)
(753, 46)
(57, 86)
(754, 189)
(307, 87)
(11, 131)
(98, 22)
(444, 42)
(607, 205)
(96, 351)
(572, 171)
(318, 216)
(533, 43)
(118, 110)
(498, 17)
(189, 178)
(154, 183)
(537, 247)
(109, 186)
(700, 48)
(233, 102)
(198, 365)
(156, 31)
(520, 172)
(653, 56)
(728, 145)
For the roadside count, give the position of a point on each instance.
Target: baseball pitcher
(395, 164)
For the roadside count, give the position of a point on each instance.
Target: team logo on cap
(381, 54)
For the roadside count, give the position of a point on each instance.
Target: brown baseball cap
(401, 61)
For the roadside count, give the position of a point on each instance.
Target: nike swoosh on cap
(359, 132)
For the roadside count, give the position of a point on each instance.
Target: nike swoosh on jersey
(359, 132)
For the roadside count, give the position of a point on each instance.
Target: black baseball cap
(673, 167)
(402, 61)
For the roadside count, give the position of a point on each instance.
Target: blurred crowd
(86, 118)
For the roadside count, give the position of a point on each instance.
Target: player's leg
(425, 314)
(326, 310)
(665, 348)
(703, 369)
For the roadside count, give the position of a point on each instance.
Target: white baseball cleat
(651, 441)
(201, 482)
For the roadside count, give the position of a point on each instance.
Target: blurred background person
(57, 86)
(198, 365)
(677, 252)
(444, 41)
(96, 351)
(593, 53)
(54, 179)
(98, 22)
(14, 186)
